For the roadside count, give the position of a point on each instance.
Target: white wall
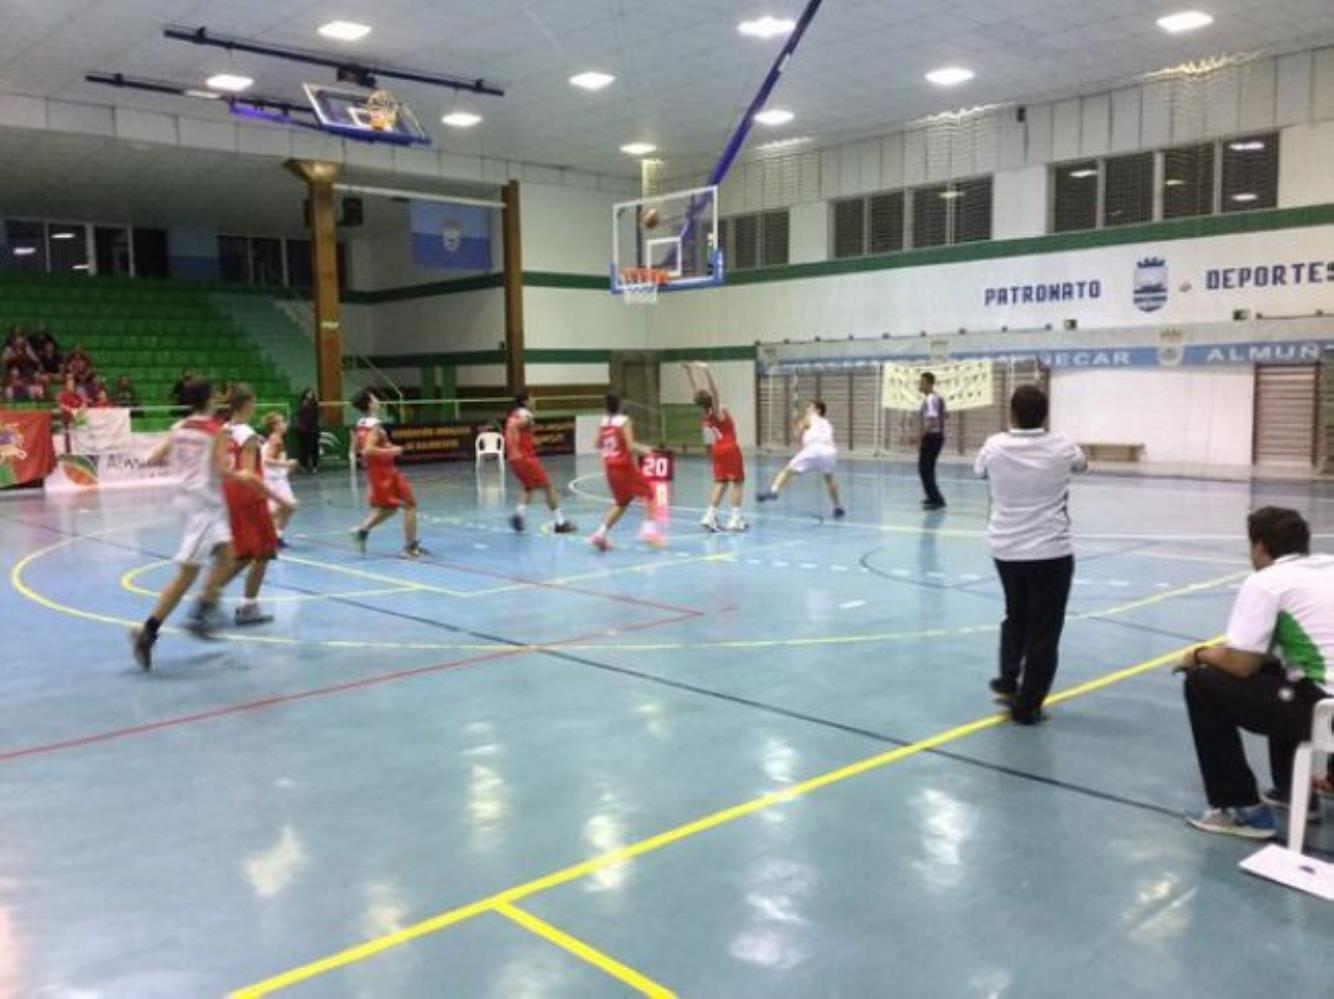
(470, 320)
(1019, 203)
(582, 318)
(948, 297)
(1182, 416)
(565, 229)
(1306, 153)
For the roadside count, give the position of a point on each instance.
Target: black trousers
(1267, 703)
(308, 449)
(928, 453)
(1036, 594)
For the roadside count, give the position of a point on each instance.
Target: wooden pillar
(319, 178)
(513, 261)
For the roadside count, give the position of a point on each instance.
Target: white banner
(113, 470)
(102, 431)
(962, 384)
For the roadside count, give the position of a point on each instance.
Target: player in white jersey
(818, 454)
(277, 467)
(197, 450)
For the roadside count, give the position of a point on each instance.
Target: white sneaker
(710, 523)
(737, 523)
(650, 535)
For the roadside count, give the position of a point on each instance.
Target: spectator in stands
(80, 365)
(41, 336)
(18, 353)
(48, 356)
(71, 402)
(308, 431)
(126, 397)
(14, 333)
(16, 389)
(101, 400)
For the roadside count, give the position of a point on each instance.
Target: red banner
(26, 452)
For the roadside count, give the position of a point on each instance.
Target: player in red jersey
(616, 441)
(254, 535)
(390, 489)
(197, 451)
(521, 452)
(729, 468)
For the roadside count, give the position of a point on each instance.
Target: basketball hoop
(382, 110)
(640, 285)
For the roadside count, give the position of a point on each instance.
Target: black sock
(151, 626)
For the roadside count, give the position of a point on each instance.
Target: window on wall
(67, 248)
(1250, 173)
(150, 252)
(1075, 196)
(775, 239)
(1231, 175)
(931, 215)
(1188, 181)
(886, 218)
(299, 273)
(25, 246)
(1128, 190)
(849, 228)
(760, 239)
(970, 207)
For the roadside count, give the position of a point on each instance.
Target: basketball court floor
(759, 765)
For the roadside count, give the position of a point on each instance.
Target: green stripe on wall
(554, 355)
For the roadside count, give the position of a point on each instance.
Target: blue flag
(452, 236)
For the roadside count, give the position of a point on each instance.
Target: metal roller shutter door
(1285, 414)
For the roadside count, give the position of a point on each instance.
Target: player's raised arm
(632, 445)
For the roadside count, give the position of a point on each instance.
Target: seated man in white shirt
(1028, 471)
(1266, 676)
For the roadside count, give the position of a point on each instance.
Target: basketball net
(639, 285)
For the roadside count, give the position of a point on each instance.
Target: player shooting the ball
(729, 469)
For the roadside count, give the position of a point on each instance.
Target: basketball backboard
(674, 236)
(368, 115)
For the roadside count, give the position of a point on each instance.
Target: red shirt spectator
(71, 401)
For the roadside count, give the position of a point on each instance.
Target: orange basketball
(648, 218)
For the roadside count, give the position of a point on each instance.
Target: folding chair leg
(1299, 797)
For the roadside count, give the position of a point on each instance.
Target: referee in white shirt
(1028, 471)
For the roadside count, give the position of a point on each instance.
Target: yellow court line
(21, 586)
(374, 577)
(609, 965)
(128, 583)
(370, 948)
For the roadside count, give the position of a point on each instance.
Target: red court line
(279, 700)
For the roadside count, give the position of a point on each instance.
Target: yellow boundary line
(509, 896)
(604, 963)
(129, 583)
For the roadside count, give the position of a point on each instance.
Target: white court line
(852, 605)
(574, 488)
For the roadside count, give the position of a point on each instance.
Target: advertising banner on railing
(101, 431)
(448, 440)
(111, 470)
(26, 451)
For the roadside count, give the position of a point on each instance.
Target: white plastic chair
(1322, 743)
(490, 445)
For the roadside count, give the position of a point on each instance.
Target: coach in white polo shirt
(1266, 676)
(1028, 531)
